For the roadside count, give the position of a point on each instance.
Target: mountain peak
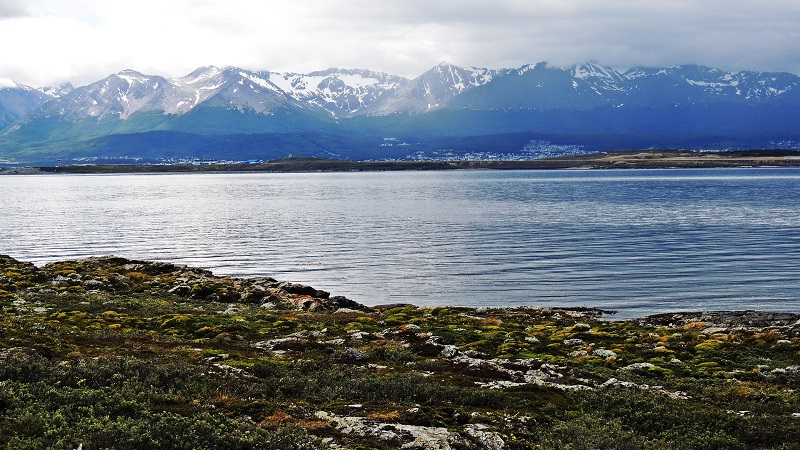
(6, 83)
(133, 77)
(201, 73)
(57, 90)
(592, 69)
(129, 72)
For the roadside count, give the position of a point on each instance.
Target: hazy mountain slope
(17, 101)
(432, 90)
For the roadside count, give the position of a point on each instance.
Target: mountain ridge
(739, 109)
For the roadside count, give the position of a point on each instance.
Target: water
(636, 241)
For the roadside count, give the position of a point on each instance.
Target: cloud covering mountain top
(83, 40)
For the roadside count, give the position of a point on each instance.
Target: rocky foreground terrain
(114, 353)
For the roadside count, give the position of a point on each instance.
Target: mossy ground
(138, 367)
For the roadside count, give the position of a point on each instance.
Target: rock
(724, 319)
(615, 383)
(639, 366)
(499, 384)
(216, 358)
(189, 282)
(358, 335)
(353, 354)
(449, 352)
(181, 290)
(287, 343)
(339, 302)
(603, 353)
(581, 327)
(713, 330)
(348, 311)
(574, 342)
(396, 435)
(300, 289)
(486, 439)
(60, 280)
(94, 284)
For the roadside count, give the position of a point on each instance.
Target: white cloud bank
(49, 41)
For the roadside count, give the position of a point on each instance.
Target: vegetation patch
(114, 353)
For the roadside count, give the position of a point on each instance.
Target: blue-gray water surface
(636, 241)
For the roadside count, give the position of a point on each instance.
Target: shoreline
(303, 297)
(644, 159)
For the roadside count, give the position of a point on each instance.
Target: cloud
(85, 40)
(12, 8)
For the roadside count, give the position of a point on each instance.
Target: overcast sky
(47, 41)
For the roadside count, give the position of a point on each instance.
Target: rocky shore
(115, 353)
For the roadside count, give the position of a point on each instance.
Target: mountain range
(449, 111)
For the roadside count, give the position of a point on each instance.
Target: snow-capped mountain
(339, 92)
(695, 84)
(342, 92)
(128, 92)
(231, 88)
(115, 97)
(586, 86)
(334, 111)
(537, 87)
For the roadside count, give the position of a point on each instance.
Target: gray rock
(287, 343)
(581, 327)
(354, 354)
(639, 366)
(603, 353)
(449, 352)
(397, 435)
(181, 290)
(486, 439)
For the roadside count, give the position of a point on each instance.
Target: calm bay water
(636, 241)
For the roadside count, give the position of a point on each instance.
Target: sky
(45, 42)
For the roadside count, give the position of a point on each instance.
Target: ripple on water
(636, 241)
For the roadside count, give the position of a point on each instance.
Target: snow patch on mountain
(58, 90)
(340, 92)
(5, 83)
